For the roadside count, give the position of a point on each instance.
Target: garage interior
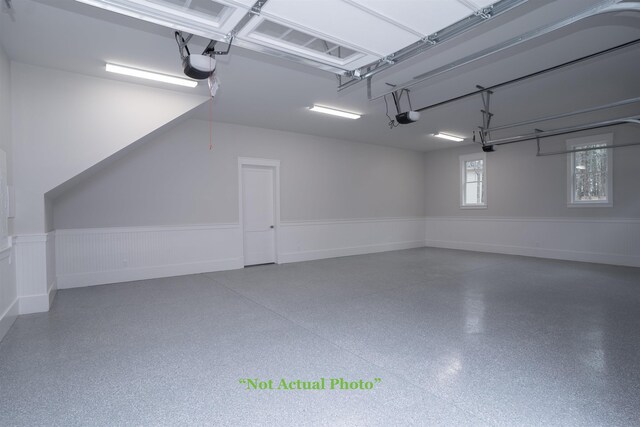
(457, 242)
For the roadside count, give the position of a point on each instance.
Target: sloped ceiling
(261, 90)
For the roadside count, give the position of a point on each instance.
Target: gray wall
(5, 106)
(5, 118)
(64, 127)
(523, 185)
(176, 180)
(8, 290)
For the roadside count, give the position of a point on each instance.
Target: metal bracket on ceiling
(538, 141)
(397, 97)
(256, 9)
(355, 74)
(183, 46)
(487, 115)
(210, 49)
(402, 116)
(486, 13)
(387, 60)
(431, 40)
(183, 43)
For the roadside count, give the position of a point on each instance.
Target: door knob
(271, 226)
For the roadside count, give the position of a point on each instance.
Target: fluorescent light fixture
(127, 71)
(449, 137)
(334, 112)
(581, 167)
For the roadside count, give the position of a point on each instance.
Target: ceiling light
(118, 69)
(335, 112)
(581, 167)
(449, 137)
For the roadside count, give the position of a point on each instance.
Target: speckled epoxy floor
(457, 338)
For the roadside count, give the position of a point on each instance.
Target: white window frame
(572, 144)
(467, 158)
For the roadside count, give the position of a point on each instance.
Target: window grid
(207, 8)
(590, 174)
(590, 182)
(473, 181)
(297, 38)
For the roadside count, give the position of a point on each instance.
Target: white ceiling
(264, 91)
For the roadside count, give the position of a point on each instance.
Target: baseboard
(284, 258)
(8, 317)
(128, 275)
(622, 260)
(321, 222)
(34, 303)
(52, 291)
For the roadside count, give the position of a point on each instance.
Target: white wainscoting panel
(86, 257)
(608, 241)
(31, 273)
(309, 240)
(52, 285)
(8, 292)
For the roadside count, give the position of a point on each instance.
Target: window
(473, 174)
(206, 8)
(302, 40)
(590, 171)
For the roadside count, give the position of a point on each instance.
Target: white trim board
(30, 238)
(306, 222)
(535, 219)
(143, 229)
(607, 241)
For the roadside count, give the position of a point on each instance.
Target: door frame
(269, 163)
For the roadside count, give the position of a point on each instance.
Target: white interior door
(258, 214)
